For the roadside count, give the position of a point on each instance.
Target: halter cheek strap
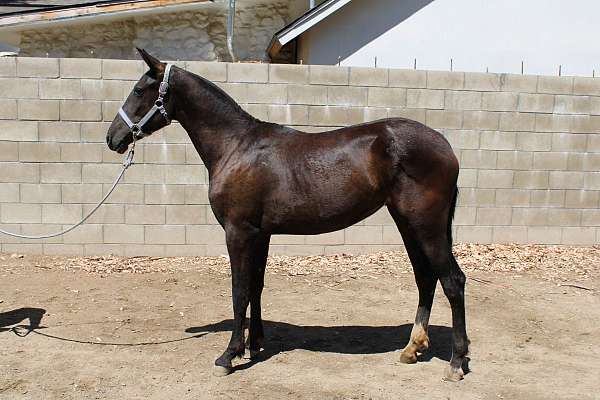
(159, 106)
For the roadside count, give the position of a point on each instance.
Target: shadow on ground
(14, 317)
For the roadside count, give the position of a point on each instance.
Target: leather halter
(159, 106)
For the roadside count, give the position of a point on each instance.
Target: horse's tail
(451, 214)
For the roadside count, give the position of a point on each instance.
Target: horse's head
(146, 110)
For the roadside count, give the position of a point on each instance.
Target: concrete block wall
(529, 149)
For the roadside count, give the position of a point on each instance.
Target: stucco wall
(187, 35)
(476, 34)
(529, 150)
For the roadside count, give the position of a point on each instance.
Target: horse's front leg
(241, 246)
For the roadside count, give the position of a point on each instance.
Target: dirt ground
(118, 334)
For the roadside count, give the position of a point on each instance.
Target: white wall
(476, 34)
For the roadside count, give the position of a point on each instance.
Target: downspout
(230, 17)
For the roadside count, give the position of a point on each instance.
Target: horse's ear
(154, 63)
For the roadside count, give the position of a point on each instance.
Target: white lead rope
(126, 164)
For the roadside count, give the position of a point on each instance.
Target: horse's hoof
(408, 358)
(453, 374)
(250, 354)
(221, 371)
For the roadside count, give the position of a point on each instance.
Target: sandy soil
(532, 338)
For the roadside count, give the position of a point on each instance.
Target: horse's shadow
(354, 339)
(14, 317)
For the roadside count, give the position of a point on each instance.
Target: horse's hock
(529, 150)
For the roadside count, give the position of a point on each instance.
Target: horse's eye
(138, 91)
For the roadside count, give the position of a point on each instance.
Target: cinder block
(563, 217)
(59, 131)
(544, 235)
(246, 72)
(39, 152)
(125, 193)
(85, 234)
(17, 88)
(547, 198)
(369, 76)
(582, 199)
(95, 89)
(531, 179)
(414, 114)
(60, 89)
(584, 124)
(380, 217)
(271, 94)
(518, 83)
(8, 66)
(590, 217)
(584, 162)
(147, 250)
(123, 69)
(110, 110)
(495, 178)
(366, 234)
(80, 110)
(61, 213)
(586, 86)
(530, 216)
(594, 105)
(238, 91)
(20, 173)
(391, 235)
(288, 114)
(81, 152)
(185, 174)
(445, 80)
(513, 198)
(9, 192)
(591, 180)
(328, 239)
(204, 234)
(8, 109)
(494, 140)
(303, 94)
(327, 116)
(59, 249)
(297, 250)
(463, 139)
(103, 173)
(509, 234)
(478, 159)
(81, 68)
(572, 105)
(346, 96)
(555, 84)
(476, 197)
(137, 214)
(107, 214)
(211, 70)
(196, 194)
(510, 121)
(499, 101)
(423, 98)
(359, 115)
(538, 103)
(448, 119)
(9, 151)
(287, 240)
(566, 180)
(185, 250)
(593, 144)
(81, 194)
(41, 229)
(550, 160)
(36, 193)
(483, 82)
(552, 123)
(386, 97)
(455, 100)
(467, 178)
(164, 194)
(465, 216)
(568, 142)
(164, 154)
(259, 111)
(94, 131)
(474, 234)
(186, 214)
(494, 216)
(329, 75)
(37, 67)
(579, 236)
(288, 73)
(514, 160)
(533, 141)
(38, 110)
(123, 234)
(147, 174)
(481, 120)
(407, 78)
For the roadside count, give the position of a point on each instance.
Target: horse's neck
(212, 119)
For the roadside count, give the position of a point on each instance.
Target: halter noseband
(159, 106)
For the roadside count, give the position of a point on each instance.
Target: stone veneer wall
(528, 146)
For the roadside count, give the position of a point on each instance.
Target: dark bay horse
(269, 179)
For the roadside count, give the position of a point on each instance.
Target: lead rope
(127, 162)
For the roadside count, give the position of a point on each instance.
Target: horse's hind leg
(256, 332)
(423, 220)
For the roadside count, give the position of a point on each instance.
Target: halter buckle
(164, 86)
